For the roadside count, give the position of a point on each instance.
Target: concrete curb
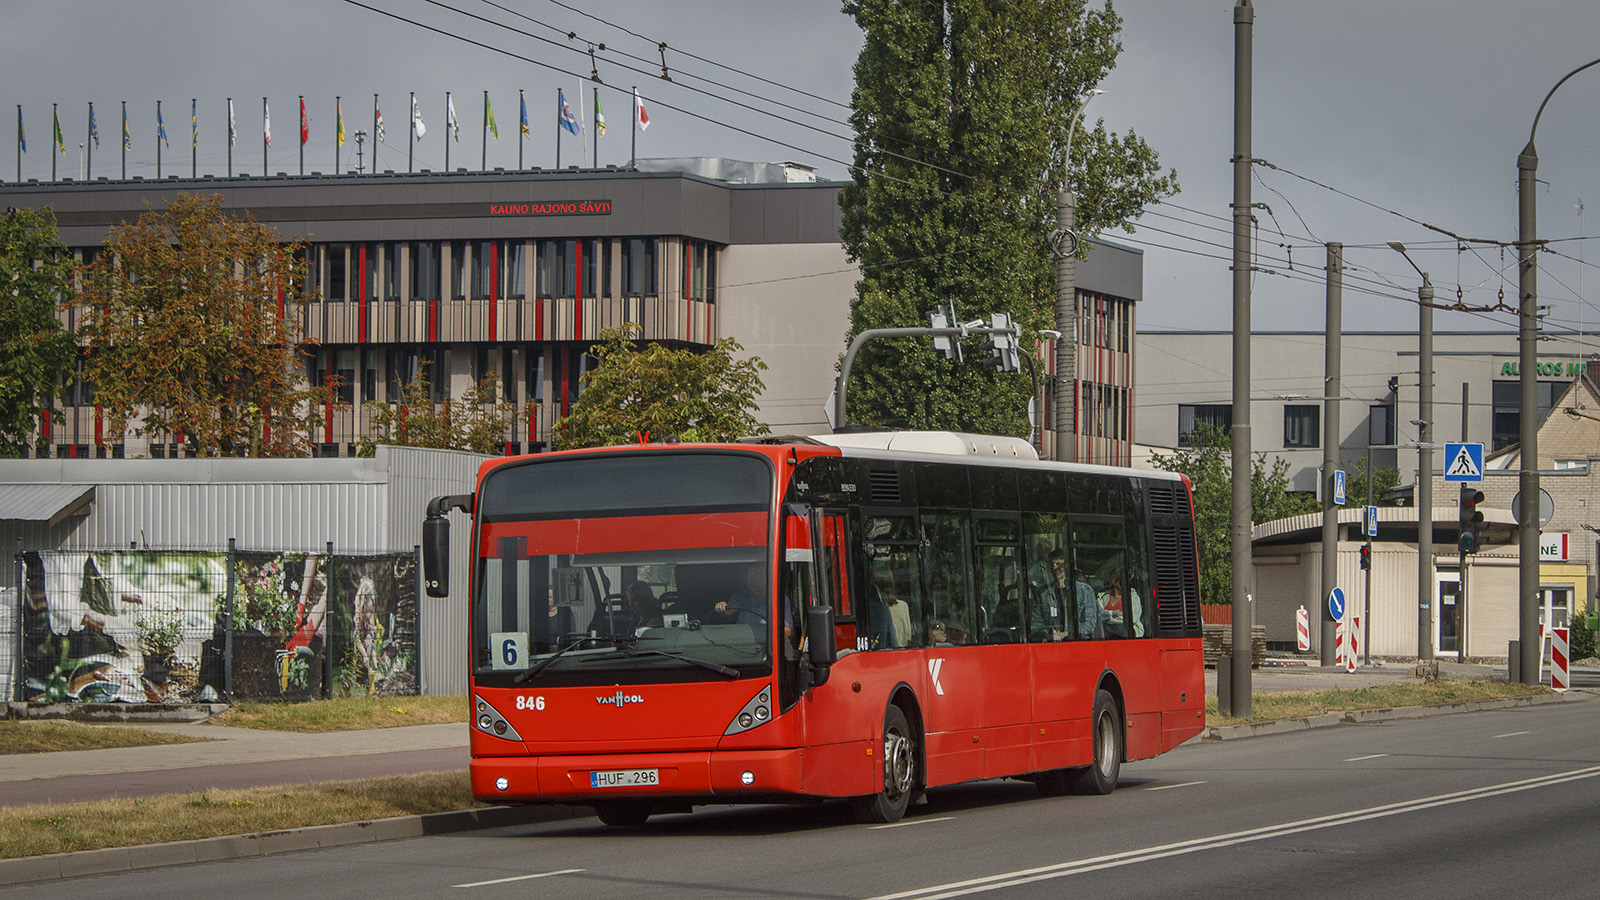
(1369, 716)
(110, 860)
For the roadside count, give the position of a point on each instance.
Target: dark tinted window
(644, 483)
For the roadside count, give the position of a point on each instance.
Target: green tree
(654, 392)
(183, 331)
(963, 110)
(1208, 463)
(36, 352)
(477, 422)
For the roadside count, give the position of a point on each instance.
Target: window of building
(458, 270)
(596, 268)
(701, 265)
(424, 271)
(1190, 417)
(556, 269)
(482, 271)
(1380, 425)
(372, 271)
(1300, 426)
(335, 281)
(1505, 421)
(404, 364)
(1572, 464)
(369, 375)
(535, 377)
(391, 271)
(513, 270)
(79, 390)
(639, 274)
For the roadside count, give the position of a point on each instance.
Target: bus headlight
(756, 712)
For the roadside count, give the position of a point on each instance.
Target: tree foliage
(477, 422)
(1208, 463)
(36, 352)
(963, 111)
(183, 331)
(652, 392)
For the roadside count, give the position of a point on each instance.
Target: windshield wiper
(527, 676)
(704, 664)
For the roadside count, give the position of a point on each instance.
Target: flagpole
(302, 134)
(338, 131)
(447, 109)
(596, 128)
(559, 129)
(412, 132)
(124, 150)
(522, 126)
(230, 137)
(19, 143)
(375, 113)
(55, 123)
(159, 126)
(266, 119)
(88, 147)
(580, 119)
(633, 132)
(484, 166)
(194, 137)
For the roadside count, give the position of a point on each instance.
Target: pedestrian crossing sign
(1463, 462)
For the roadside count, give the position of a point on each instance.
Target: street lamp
(1425, 589)
(1527, 338)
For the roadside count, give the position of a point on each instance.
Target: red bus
(787, 620)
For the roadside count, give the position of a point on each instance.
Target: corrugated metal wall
(360, 505)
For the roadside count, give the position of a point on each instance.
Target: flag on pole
(488, 114)
(161, 128)
(94, 132)
(338, 115)
(599, 117)
(381, 130)
(524, 101)
(640, 117)
(194, 123)
(61, 142)
(266, 123)
(233, 132)
(567, 119)
(305, 123)
(450, 124)
(416, 118)
(127, 141)
(22, 139)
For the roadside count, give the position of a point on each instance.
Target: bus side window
(1052, 594)
(1141, 606)
(951, 614)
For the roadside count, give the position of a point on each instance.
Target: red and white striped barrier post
(1560, 649)
(1352, 644)
(1302, 629)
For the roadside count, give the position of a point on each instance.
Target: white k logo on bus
(934, 665)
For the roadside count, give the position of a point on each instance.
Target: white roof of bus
(929, 445)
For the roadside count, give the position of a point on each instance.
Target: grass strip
(66, 827)
(1269, 705)
(345, 714)
(52, 735)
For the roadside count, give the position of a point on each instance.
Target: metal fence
(185, 626)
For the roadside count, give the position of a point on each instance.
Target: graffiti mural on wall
(153, 626)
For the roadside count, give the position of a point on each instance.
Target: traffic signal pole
(1001, 325)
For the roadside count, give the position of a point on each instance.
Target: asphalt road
(1485, 804)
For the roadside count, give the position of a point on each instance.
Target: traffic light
(946, 344)
(1366, 556)
(1470, 520)
(1002, 344)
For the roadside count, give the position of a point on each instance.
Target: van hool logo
(557, 208)
(619, 699)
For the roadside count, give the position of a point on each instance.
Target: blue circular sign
(1336, 603)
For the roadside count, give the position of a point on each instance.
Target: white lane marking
(519, 878)
(1163, 851)
(1361, 758)
(1168, 787)
(1512, 734)
(912, 822)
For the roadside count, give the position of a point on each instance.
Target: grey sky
(1417, 107)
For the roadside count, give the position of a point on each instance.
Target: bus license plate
(624, 778)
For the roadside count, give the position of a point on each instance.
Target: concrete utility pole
(1243, 555)
(1424, 492)
(1528, 336)
(1066, 250)
(1333, 343)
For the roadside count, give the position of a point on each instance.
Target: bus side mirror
(436, 542)
(821, 651)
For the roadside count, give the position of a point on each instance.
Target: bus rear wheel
(900, 754)
(622, 813)
(1106, 732)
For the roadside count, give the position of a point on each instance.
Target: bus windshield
(625, 568)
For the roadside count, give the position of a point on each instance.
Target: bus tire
(901, 750)
(1105, 728)
(622, 813)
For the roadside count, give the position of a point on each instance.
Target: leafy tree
(36, 352)
(476, 423)
(1208, 462)
(963, 111)
(183, 331)
(1383, 478)
(652, 392)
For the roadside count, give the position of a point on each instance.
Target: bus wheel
(1106, 726)
(622, 813)
(900, 754)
